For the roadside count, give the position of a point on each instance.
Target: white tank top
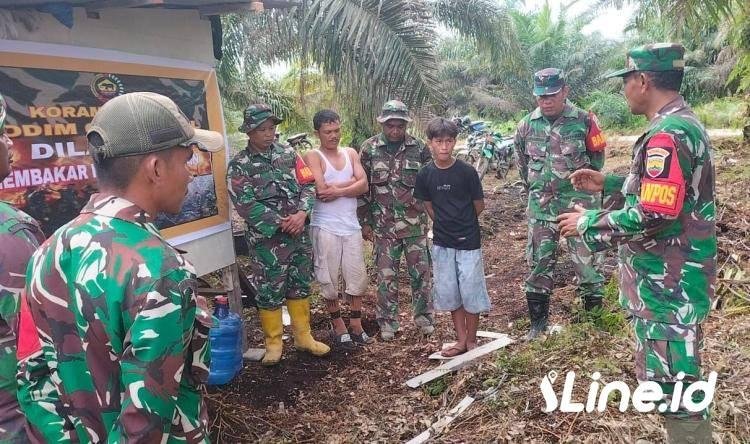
(340, 215)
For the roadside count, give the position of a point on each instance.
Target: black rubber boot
(590, 307)
(592, 303)
(539, 314)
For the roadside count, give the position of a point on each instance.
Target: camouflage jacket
(548, 152)
(114, 343)
(389, 206)
(20, 236)
(264, 187)
(666, 231)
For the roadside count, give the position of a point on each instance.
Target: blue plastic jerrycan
(226, 344)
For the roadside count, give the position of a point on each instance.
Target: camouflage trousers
(541, 254)
(661, 352)
(12, 420)
(388, 254)
(281, 268)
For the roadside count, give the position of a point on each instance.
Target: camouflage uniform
(20, 236)
(398, 221)
(266, 186)
(113, 339)
(546, 154)
(135, 355)
(665, 234)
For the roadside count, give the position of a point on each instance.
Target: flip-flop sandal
(447, 354)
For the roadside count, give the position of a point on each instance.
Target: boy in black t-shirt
(453, 197)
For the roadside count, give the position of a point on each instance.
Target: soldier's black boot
(538, 312)
(592, 303)
(591, 306)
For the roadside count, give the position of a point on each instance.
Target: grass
(727, 112)
(438, 386)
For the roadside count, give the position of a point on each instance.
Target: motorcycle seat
(296, 137)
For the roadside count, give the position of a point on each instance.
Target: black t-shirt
(452, 192)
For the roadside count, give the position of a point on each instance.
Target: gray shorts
(459, 280)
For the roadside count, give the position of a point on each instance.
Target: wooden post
(231, 279)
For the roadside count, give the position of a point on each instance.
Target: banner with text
(49, 110)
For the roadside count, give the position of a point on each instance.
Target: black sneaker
(343, 342)
(361, 338)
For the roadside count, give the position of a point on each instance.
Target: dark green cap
(255, 115)
(394, 109)
(548, 81)
(653, 57)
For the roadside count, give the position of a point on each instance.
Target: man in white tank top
(335, 230)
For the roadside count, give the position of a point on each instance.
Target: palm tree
(693, 18)
(494, 89)
(372, 50)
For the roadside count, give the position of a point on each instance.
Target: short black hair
(118, 172)
(115, 172)
(441, 127)
(325, 116)
(666, 80)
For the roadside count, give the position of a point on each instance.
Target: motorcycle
(485, 150)
(495, 152)
(476, 130)
(299, 142)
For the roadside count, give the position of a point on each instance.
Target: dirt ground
(361, 397)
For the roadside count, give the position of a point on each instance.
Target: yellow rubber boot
(299, 311)
(270, 321)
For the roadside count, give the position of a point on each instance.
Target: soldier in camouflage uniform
(20, 236)
(113, 339)
(553, 141)
(274, 192)
(665, 232)
(398, 221)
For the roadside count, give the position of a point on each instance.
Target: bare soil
(361, 396)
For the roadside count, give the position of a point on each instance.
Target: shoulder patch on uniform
(303, 172)
(659, 152)
(28, 335)
(662, 185)
(594, 138)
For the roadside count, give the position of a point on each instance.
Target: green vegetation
(352, 55)
(726, 112)
(438, 386)
(612, 111)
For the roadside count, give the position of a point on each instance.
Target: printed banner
(50, 105)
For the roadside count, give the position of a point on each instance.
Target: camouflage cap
(548, 81)
(144, 122)
(255, 115)
(394, 109)
(3, 112)
(653, 57)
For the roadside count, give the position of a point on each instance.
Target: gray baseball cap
(143, 122)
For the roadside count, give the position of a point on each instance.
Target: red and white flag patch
(303, 172)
